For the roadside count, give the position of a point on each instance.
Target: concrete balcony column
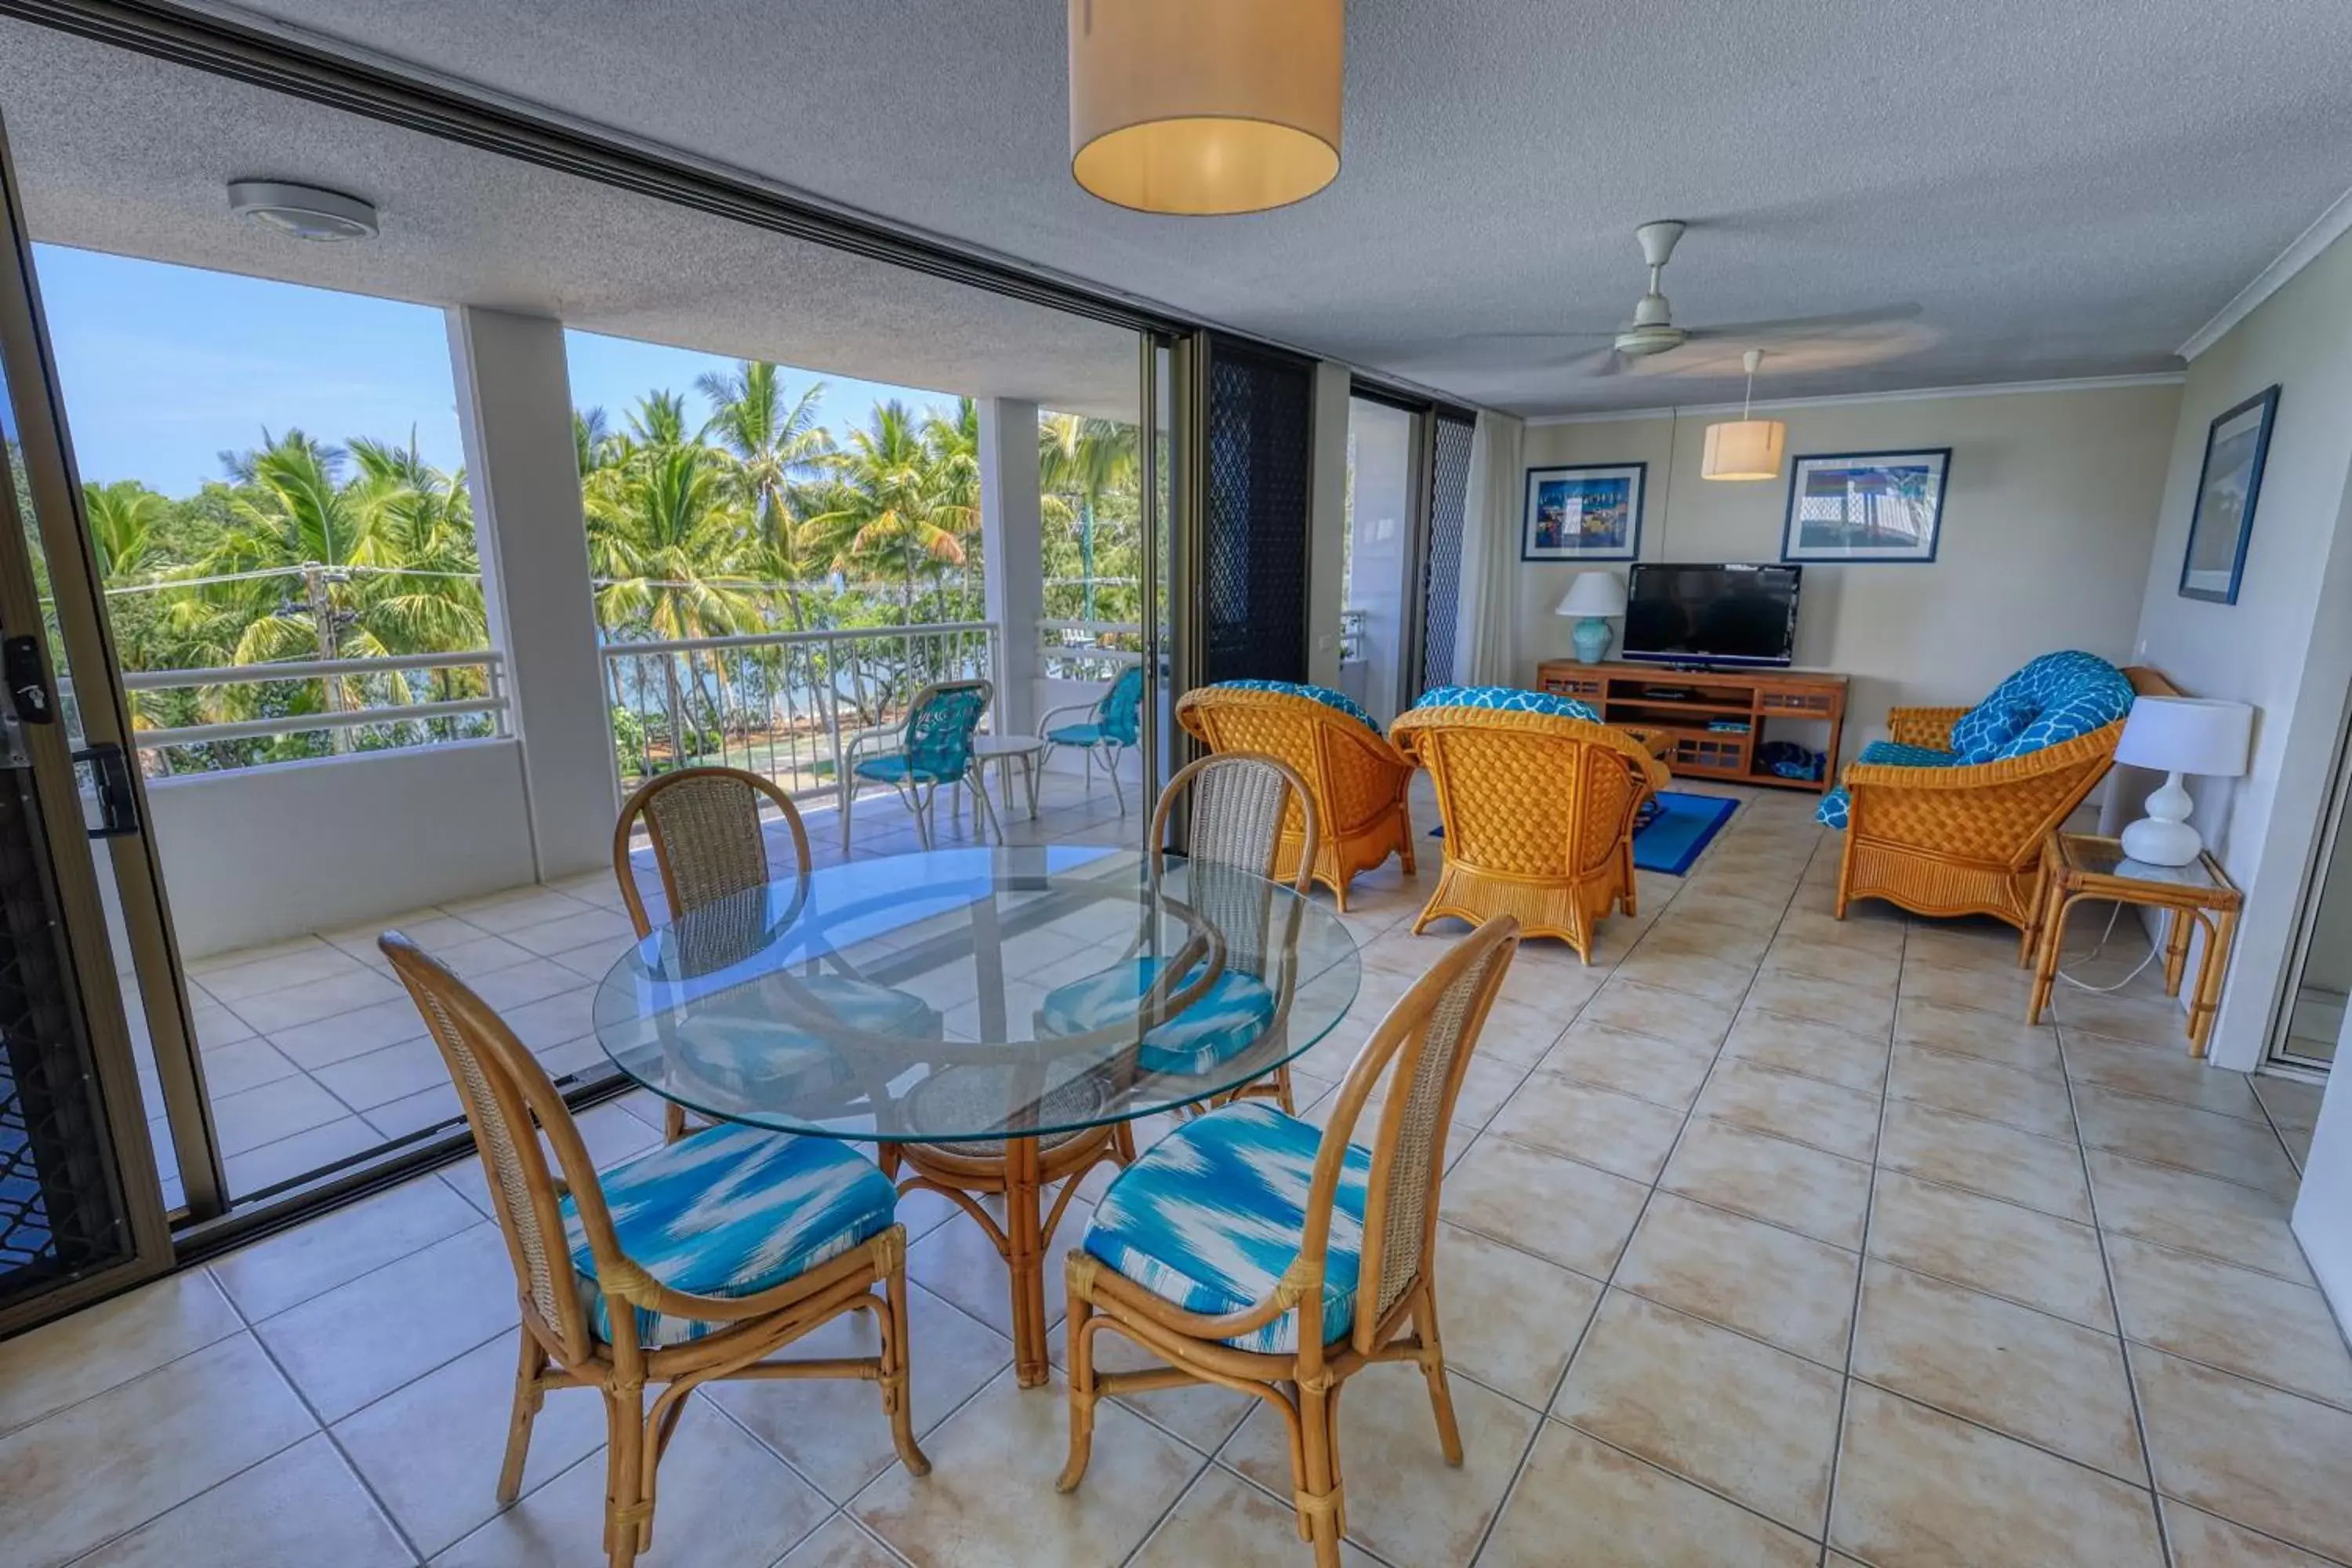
(514, 405)
(1012, 530)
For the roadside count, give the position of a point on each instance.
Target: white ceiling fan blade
(1807, 326)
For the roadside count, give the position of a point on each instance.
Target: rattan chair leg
(1081, 1327)
(626, 1514)
(898, 1362)
(528, 1395)
(1315, 1489)
(1431, 1356)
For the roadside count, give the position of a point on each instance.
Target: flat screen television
(1722, 614)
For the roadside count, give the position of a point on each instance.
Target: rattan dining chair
(1248, 1250)
(711, 849)
(711, 1253)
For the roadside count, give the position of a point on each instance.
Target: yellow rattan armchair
(1539, 812)
(1356, 779)
(1966, 840)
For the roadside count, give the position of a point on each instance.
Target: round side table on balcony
(1004, 750)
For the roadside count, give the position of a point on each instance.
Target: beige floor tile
(958, 1262)
(1837, 1003)
(552, 1020)
(274, 1013)
(248, 1063)
(1555, 986)
(1508, 1317)
(91, 1472)
(1985, 989)
(724, 1502)
(1224, 1520)
(430, 1450)
(445, 1299)
(305, 1152)
(1787, 1290)
(379, 1077)
(1986, 1156)
(834, 1430)
(523, 983)
(246, 1122)
(1614, 1131)
(2151, 1020)
(1520, 1033)
(2183, 1210)
(1815, 1049)
(100, 1347)
(1996, 1036)
(1854, 967)
(1727, 908)
(838, 1542)
(2289, 1102)
(1199, 1415)
(2250, 1454)
(2201, 1540)
(2169, 1134)
(515, 908)
(1653, 1010)
(1917, 1486)
(2249, 1323)
(1677, 934)
(1963, 944)
(1972, 1086)
(214, 1025)
(293, 1265)
(1662, 1071)
(1883, 937)
(1573, 1213)
(307, 964)
(303, 1505)
(990, 1497)
(1753, 1423)
(1839, 1121)
(2034, 1376)
(1717, 979)
(1615, 1509)
(1405, 1503)
(1987, 1245)
(352, 1034)
(1823, 1196)
(2159, 1072)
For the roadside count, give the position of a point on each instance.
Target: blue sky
(164, 367)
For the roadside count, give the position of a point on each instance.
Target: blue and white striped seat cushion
(1211, 1216)
(1228, 1018)
(1507, 699)
(745, 1040)
(1338, 701)
(732, 1210)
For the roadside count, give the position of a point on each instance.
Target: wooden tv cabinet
(1684, 702)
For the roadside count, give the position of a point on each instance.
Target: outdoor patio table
(763, 1009)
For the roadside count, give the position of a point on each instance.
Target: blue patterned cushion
(1836, 807)
(1120, 713)
(729, 1212)
(1987, 728)
(2054, 698)
(1508, 699)
(1213, 1213)
(738, 1041)
(1076, 734)
(1339, 701)
(1228, 1018)
(897, 769)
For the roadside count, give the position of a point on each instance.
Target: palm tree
(896, 505)
(776, 448)
(666, 536)
(1081, 462)
(126, 520)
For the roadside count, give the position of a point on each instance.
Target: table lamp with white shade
(2176, 735)
(1595, 598)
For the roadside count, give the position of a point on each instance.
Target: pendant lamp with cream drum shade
(1745, 449)
(1203, 106)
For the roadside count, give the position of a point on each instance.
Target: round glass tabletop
(970, 994)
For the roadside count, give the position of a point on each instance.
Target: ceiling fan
(1652, 330)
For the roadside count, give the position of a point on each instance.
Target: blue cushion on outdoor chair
(1076, 734)
(1229, 1018)
(1214, 1212)
(896, 769)
(1506, 700)
(730, 1211)
(1338, 701)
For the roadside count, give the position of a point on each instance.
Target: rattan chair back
(707, 838)
(1241, 801)
(1528, 794)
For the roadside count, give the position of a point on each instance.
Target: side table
(1004, 750)
(2078, 866)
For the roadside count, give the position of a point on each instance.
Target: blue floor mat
(1673, 829)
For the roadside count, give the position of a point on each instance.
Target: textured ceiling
(121, 152)
(2064, 187)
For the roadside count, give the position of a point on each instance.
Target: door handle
(117, 801)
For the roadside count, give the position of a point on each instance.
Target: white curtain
(1486, 629)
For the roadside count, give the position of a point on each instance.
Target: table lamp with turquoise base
(1592, 601)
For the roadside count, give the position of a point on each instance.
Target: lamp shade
(1743, 449)
(1594, 594)
(1198, 107)
(2187, 735)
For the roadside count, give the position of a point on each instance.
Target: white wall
(2323, 1209)
(2049, 515)
(2286, 645)
(260, 854)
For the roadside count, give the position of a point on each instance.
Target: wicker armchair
(1967, 839)
(1539, 811)
(1356, 779)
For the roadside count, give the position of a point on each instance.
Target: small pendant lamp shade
(1201, 107)
(1743, 448)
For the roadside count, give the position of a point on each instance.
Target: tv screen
(1711, 615)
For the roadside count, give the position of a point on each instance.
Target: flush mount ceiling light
(303, 211)
(1745, 449)
(1202, 107)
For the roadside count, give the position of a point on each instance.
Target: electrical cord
(2114, 914)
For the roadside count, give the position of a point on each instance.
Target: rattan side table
(2078, 866)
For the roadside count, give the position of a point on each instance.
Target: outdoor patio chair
(711, 849)
(691, 1263)
(1113, 724)
(934, 747)
(1250, 1250)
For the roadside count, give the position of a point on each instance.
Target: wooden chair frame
(511, 1103)
(1192, 1344)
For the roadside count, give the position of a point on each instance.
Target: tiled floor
(1767, 1239)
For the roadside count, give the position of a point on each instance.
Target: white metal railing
(346, 704)
(1087, 650)
(777, 703)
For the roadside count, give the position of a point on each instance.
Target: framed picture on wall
(2228, 486)
(1867, 506)
(1583, 511)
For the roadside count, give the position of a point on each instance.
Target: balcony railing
(777, 703)
(1087, 650)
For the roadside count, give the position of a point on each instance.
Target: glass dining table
(979, 1003)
